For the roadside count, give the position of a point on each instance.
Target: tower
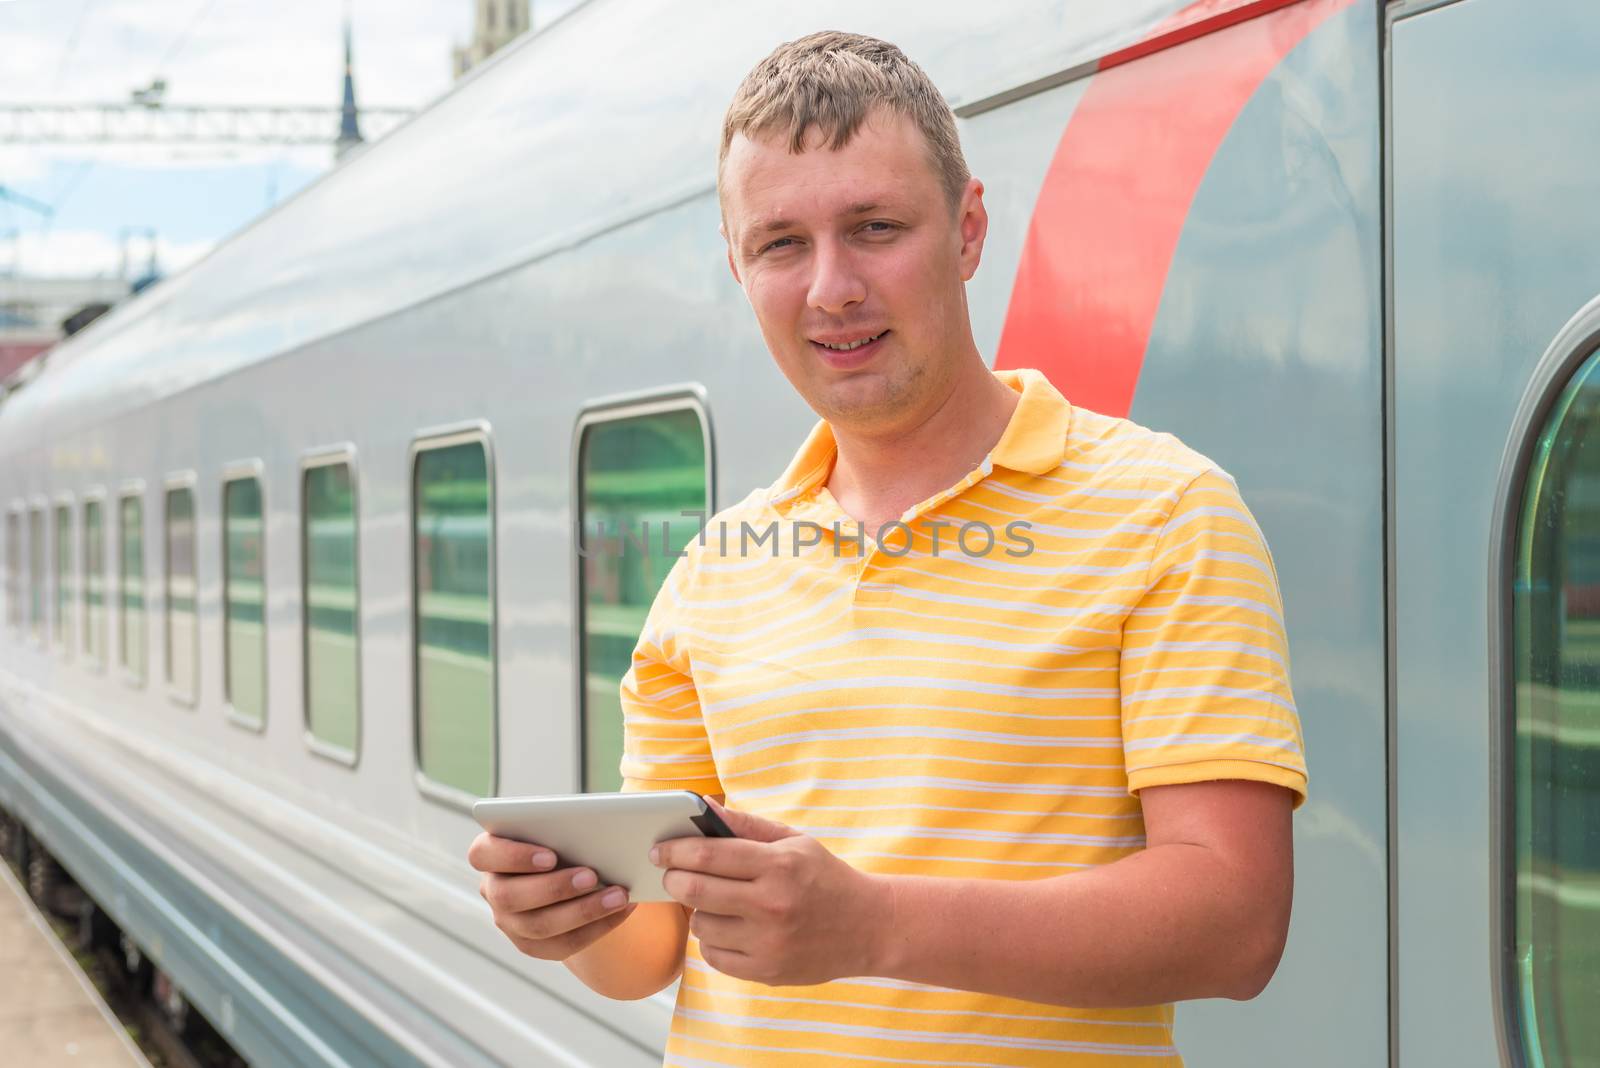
(496, 23)
(349, 127)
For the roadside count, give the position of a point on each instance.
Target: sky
(209, 52)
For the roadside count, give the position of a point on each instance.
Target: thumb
(750, 826)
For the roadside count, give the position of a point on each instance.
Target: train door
(1494, 158)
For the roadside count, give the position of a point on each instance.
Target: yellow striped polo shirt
(979, 690)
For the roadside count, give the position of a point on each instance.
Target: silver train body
(1357, 228)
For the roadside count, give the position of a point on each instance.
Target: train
(293, 540)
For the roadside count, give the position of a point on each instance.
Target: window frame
(687, 396)
(328, 456)
(431, 440)
(137, 678)
(175, 481)
(1576, 343)
(240, 470)
(94, 495)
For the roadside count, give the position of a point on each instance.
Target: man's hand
(549, 914)
(773, 905)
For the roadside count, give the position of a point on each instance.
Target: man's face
(836, 248)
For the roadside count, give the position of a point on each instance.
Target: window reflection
(14, 569)
(182, 637)
(64, 576)
(332, 650)
(130, 566)
(94, 583)
(638, 476)
(244, 601)
(455, 617)
(1557, 660)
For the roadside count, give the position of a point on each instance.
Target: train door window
(453, 588)
(14, 569)
(64, 583)
(643, 490)
(130, 605)
(94, 583)
(36, 597)
(331, 601)
(182, 631)
(244, 600)
(1555, 652)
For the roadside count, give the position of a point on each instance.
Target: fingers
(731, 858)
(493, 854)
(551, 925)
(564, 946)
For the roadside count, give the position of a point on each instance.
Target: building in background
(497, 22)
(35, 313)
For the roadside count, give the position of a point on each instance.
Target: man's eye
(878, 226)
(780, 243)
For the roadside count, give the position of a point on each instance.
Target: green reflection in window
(130, 565)
(244, 601)
(637, 476)
(94, 583)
(332, 651)
(63, 575)
(1557, 658)
(14, 569)
(36, 573)
(455, 617)
(182, 636)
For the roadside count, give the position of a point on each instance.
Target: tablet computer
(611, 833)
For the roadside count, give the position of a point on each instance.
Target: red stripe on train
(1118, 191)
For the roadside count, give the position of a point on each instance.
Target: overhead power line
(90, 124)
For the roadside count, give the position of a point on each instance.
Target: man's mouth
(850, 346)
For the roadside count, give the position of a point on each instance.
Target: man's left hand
(773, 905)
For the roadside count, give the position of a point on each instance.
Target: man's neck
(878, 476)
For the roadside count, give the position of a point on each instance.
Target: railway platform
(50, 1014)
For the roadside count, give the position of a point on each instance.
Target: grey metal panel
(1496, 171)
(1266, 355)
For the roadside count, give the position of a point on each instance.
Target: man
(1001, 799)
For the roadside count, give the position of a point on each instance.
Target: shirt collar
(1034, 441)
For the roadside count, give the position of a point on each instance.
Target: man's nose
(835, 281)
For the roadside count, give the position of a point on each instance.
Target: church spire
(349, 129)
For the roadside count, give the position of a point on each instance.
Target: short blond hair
(832, 81)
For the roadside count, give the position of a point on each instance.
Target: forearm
(640, 957)
(1169, 923)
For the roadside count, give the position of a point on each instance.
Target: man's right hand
(547, 912)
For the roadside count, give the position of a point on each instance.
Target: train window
(331, 627)
(36, 573)
(244, 601)
(64, 594)
(1556, 701)
(640, 469)
(94, 583)
(182, 632)
(130, 569)
(453, 670)
(14, 569)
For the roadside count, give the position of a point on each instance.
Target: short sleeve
(1205, 660)
(664, 741)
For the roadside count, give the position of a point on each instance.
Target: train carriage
(292, 541)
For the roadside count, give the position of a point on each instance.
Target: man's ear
(973, 223)
(722, 228)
